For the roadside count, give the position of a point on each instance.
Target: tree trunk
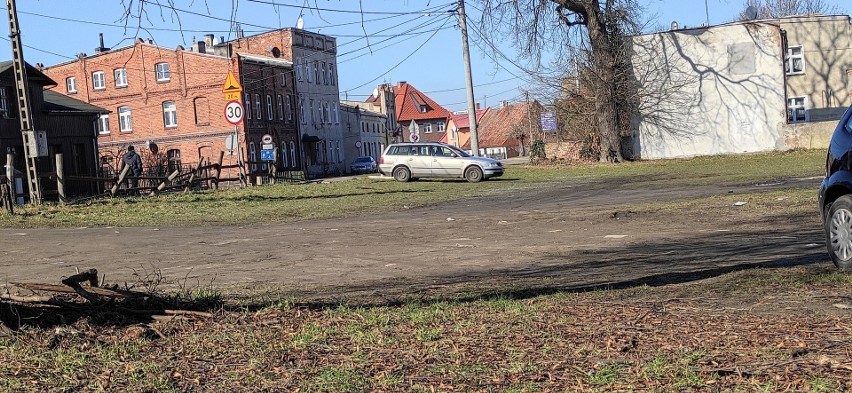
(603, 56)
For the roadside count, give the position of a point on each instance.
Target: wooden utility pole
(22, 87)
(471, 105)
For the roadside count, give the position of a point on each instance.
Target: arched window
(292, 154)
(169, 114)
(284, 154)
(252, 157)
(174, 162)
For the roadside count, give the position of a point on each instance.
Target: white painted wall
(708, 91)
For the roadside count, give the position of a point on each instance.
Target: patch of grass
(820, 384)
(339, 379)
(606, 375)
(287, 203)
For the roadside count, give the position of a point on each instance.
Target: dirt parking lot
(542, 238)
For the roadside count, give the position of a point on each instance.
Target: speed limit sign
(234, 112)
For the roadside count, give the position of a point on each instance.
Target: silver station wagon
(409, 161)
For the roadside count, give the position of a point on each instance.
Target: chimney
(101, 48)
(400, 83)
(239, 31)
(477, 106)
(201, 46)
(221, 39)
(504, 104)
(209, 40)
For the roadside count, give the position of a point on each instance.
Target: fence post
(60, 178)
(219, 170)
(171, 177)
(193, 174)
(10, 177)
(120, 180)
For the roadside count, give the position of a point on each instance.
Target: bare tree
(769, 9)
(600, 26)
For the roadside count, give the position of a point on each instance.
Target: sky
(417, 41)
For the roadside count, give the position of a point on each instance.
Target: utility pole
(471, 105)
(22, 86)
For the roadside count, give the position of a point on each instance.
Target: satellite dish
(376, 92)
(751, 12)
(300, 23)
(674, 25)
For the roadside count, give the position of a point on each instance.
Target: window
(125, 120)
(308, 71)
(795, 60)
(331, 74)
(4, 104)
(339, 157)
(327, 113)
(103, 124)
(428, 126)
(293, 154)
(162, 71)
(169, 114)
(98, 82)
(258, 110)
(252, 157)
(311, 108)
(280, 107)
(316, 71)
(284, 154)
(202, 111)
(443, 127)
(283, 79)
(120, 77)
(174, 163)
(299, 71)
(422, 108)
(71, 84)
(269, 112)
(247, 99)
(302, 111)
(324, 75)
(289, 109)
(796, 109)
(336, 115)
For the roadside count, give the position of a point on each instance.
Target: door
(444, 163)
(419, 161)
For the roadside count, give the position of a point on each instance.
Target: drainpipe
(784, 70)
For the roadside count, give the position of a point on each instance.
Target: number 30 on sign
(234, 112)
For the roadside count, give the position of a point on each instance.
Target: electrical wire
(273, 3)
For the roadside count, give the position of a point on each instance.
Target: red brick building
(169, 103)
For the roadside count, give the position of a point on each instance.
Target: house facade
(707, 91)
(503, 131)
(364, 132)
(458, 127)
(744, 86)
(314, 59)
(167, 103)
(68, 123)
(419, 118)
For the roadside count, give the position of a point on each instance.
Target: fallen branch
(74, 281)
(26, 299)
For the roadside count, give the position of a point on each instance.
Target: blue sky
(422, 47)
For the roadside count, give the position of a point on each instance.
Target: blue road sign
(267, 155)
(548, 122)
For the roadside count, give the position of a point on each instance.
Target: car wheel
(838, 232)
(402, 174)
(473, 174)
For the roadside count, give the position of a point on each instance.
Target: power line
(397, 64)
(273, 3)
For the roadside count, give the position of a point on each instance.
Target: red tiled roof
(408, 101)
(463, 120)
(496, 124)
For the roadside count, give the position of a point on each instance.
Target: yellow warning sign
(231, 88)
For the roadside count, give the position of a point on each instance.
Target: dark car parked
(363, 165)
(835, 194)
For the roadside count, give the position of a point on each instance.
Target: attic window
(422, 108)
(276, 52)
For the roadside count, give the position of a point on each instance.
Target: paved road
(534, 239)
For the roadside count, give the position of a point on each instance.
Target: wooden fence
(152, 182)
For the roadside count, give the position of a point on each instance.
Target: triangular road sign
(231, 85)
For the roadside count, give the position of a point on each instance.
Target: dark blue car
(835, 194)
(363, 165)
